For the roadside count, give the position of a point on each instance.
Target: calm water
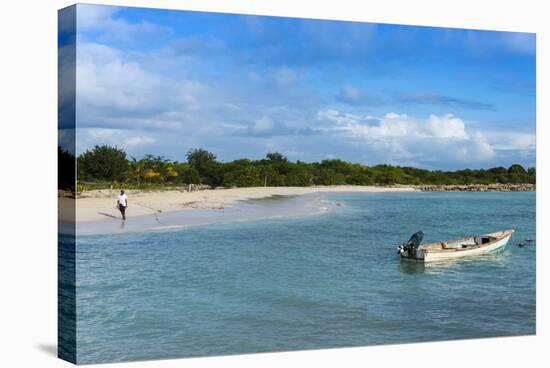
(320, 281)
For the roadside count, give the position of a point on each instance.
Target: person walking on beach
(122, 204)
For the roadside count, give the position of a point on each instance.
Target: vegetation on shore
(106, 166)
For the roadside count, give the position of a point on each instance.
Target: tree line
(106, 165)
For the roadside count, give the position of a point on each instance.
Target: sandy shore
(100, 204)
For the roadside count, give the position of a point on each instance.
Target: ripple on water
(305, 282)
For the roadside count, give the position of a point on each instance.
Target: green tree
(189, 175)
(280, 164)
(65, 170)
(532, 175)
(270, 176)
(497, 174)
(210, 171)
(388, 175)
(360, 178)
(200, 159)
(299, 174)
(328, 176)
(158, 168)
(276, 157)
(137, 170)
(516, 169)
(242, 173)
(103, 163)
(517, 174)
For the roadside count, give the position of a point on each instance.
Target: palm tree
(167, 170)
(137, 170)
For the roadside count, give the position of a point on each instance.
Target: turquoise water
(309, 282)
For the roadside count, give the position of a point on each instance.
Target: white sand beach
(100, 205)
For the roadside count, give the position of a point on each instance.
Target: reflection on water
(500, 258)
(411, 267)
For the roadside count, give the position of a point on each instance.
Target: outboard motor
(412, 244)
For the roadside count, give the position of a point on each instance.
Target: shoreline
(154, 210)
(99, 205)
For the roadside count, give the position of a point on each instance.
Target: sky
(164, 82)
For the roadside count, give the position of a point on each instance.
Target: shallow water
(254, 209)
(307, 282)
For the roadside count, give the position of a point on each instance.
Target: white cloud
(262, 125)
(139, 141)
(117, 91)
(401, 137)
(154, 102)
(93, 16)
(284, 76)
(121, 90)
(513, 141)
(446, 126)
(102, 18)
(475, 148)
(354, 96)
(351, 93)
(89, 137)
(96, 53)
(112, 89)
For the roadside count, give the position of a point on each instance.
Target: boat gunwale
(505, 234)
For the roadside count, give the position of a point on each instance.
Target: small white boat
(413, 250)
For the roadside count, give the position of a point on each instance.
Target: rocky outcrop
(478, 188)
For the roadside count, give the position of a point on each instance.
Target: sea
(306, 272)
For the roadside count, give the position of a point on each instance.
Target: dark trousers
(122, 210)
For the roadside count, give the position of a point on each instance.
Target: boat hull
(425, 254)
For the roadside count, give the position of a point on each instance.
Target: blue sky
(163, 82)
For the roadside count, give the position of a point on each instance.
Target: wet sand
(97, 212)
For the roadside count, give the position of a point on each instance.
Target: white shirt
(122, 199)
